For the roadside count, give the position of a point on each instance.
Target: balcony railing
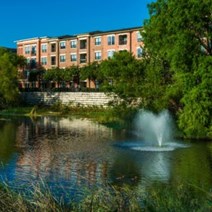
(122, 42)
(83, 60)
(83, 46)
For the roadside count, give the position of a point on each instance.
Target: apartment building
(80, 49)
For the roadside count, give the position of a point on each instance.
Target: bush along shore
(116, 116)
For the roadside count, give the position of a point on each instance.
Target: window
(62, 45)
(139, 52)
(98, 41)
(33, 51)
(27, 49)
(98, 55)
(83, 44)
(73, 44)
(62, 58)
(43, 60)
(44, 48)
(122, 39)
(53, 47)
(53, 60)
(139, 37)
(111, 40)
(73, 57)
(83, 58)
(110, 53)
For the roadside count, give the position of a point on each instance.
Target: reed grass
(108, 198)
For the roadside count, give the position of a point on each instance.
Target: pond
(69, 154)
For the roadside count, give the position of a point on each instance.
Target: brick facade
(81, 49)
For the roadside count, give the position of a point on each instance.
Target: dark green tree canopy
(61, 75)
(178, 37)
(177, 27)
(123, 74)
(8, 81)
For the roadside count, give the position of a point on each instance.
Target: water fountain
(155, 131)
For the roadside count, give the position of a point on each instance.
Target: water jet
(155, 133)
(156, 129)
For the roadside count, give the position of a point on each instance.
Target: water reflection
(157, 167)
(133, 166)
(69, 154)
(7, 140)
(59, 149)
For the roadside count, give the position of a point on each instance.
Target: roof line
(33, 38)
(97, 32)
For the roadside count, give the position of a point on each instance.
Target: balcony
(53, 61)
(83, 44)
(53, 48)
(122, 39)
(122, 42)
(83, 58)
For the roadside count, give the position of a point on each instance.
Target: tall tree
(8, 79)
(91, 72)
(123, 74)
(178, 35)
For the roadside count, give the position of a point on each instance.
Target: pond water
(69, 154)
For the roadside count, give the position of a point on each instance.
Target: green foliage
(71, 73)
(196, 115)
(178, 197)
(42, 200)
(177, 27)
(54, 74)
(91, 71)
(35, 75)
(157, 81)
(8, 79)
(178, 38)
(157, 197)
(8, 136)
(123, 74)
(110, 198)
(62, 75)
(125, 113)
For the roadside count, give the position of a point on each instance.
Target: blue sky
(20, 19)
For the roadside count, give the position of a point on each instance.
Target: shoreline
(101, 115)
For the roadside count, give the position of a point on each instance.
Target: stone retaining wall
(77, 98)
